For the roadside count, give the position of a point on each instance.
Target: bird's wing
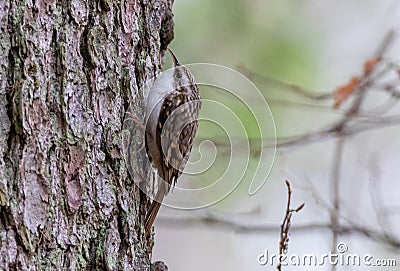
(175, 133)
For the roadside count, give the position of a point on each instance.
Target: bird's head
(182, 76)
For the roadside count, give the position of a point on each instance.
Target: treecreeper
(172, 112)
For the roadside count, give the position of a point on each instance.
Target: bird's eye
(178, 74)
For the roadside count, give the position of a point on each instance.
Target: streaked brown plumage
(171, 126)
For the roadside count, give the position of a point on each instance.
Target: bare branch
(291, 88)
(238, 226)
(335, 190)
(285, 226)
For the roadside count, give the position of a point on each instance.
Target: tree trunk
(68, 72)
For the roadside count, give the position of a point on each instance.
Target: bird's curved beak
(176, 62)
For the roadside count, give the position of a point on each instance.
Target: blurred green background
(255, 35)
(317, 45)
(270, 37)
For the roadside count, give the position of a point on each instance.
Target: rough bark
(68, 71)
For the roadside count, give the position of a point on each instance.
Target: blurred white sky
(348, 34)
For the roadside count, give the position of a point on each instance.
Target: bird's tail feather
(155, 206)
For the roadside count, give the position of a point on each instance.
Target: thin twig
(335, 188)
(285, 226)
(299, 91)
(240, 227)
